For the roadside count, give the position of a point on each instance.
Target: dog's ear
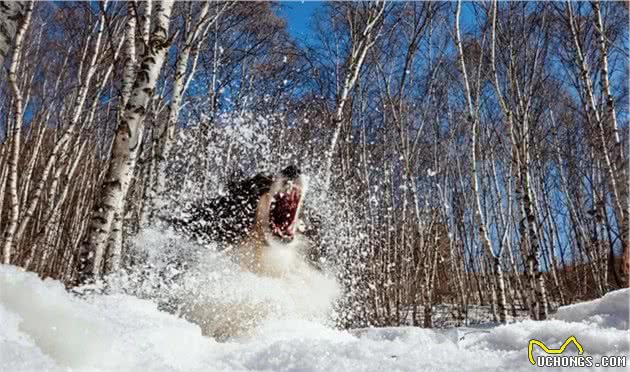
(291, 172)
(261, 183)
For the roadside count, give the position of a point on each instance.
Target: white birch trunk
(360, 46)
(63, 143)
(127, 141)
(115, 241)
(18, 108)
(617, 176)
(11, 13)
(131, 58)
(166, 132)
(473, 118)
(537, 299)
(164, 137)
(610, 119)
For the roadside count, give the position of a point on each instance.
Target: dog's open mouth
(283, 212)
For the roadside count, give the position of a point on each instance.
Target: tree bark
(11, 14)
(361, 44)
(620, 163)
(127, 142)
(606, 129)
(18, 108)
(479, 218)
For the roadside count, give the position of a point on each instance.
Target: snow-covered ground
(43, 328)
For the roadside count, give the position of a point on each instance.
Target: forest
(460, 154)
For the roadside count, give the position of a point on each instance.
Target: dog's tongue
(282, 212)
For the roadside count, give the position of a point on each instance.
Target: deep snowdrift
(43, 328)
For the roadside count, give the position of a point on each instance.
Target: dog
(259, 219)
(259, 222)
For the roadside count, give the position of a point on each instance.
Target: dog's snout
(291, 172)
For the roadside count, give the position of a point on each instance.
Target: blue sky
(298, 15)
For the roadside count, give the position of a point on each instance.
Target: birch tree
(472, 107)
(65, 141)
(364, 30)
(604, 123)
(127, 142)
(115, 240)
(194, 33)
(523, 70)
(11, 14)
(18, 120)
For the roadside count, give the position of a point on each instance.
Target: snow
(610, 312)
(44, 328)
